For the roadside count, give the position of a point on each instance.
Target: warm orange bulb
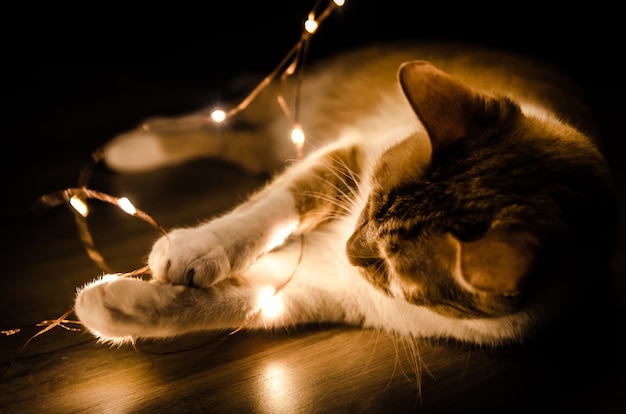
(79, 205)
(127, 206)
(297, 136)
(218, 115)
(310, 25)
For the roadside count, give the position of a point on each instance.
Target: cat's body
(423, 207)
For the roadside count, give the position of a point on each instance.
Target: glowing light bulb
(292, 68)
(218, 115)
(127, 206)
(281, 235)
(297, 136)
(79, 205)
(339, 2)
(269, 302)
(310, 25)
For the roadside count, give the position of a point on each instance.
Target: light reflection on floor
(279, 390)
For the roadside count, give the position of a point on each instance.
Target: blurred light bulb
(269, 302)
(218, 115)
(79, 205)
(310, 25)
(281, 234)
(127, 206)
(297, 136)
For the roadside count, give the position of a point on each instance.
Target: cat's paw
(189, 257)
(118, 310)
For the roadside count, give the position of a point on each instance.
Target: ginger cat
(445, 192)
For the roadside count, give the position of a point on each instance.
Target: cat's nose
(361, 250)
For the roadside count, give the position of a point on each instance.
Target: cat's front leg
(204, 255)
(118, 309)
(305, 195)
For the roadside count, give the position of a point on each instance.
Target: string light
(127, 206)
(281, 235)
(288, 66)
(310, 25)
(297, 137)
(79, 205)
(269, 302)
(76, 198)
(218, 115)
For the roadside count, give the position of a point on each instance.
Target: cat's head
(507, 204)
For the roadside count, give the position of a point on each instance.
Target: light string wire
(76, 196)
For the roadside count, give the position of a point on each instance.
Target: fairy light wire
(49, 324)
(304, 38)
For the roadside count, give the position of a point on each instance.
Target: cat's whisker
(344, 171)
(346, 176)
(331, 200)
(346, 200)
(409, 354)
(394, 339)
(373, 351)
(418, 365)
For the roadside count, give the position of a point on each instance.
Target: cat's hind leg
(255, 139)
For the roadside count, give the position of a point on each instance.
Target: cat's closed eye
(468, 230)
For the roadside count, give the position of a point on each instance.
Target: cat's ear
(448, 108)
(499, 262)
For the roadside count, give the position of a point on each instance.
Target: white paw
(189, 257)
(117, 309)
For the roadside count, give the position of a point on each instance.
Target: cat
(446, 191)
